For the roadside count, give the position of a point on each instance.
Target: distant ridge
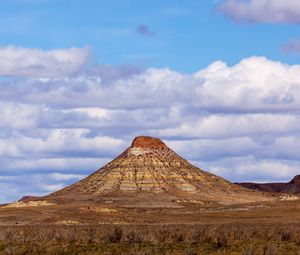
(26, 199)
(292, 187)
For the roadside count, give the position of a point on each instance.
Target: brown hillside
(150, 169)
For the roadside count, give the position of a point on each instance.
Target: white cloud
(251, 169)
(256, 84)
(262, 11)
(69, 165)
(267, 169)
(62, 140)
(18, 116)
(37, 185)
(218, 126)
(10, 192)
(52, 187)
(66, 177)
(17, 61)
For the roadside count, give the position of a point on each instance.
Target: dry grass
(149, 239)
(267, 229)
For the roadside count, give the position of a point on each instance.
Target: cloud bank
(261, 11)
(17, 61)
(240, 122)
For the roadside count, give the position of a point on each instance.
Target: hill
(292, 187)
(149, 173)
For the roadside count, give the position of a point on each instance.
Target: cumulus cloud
(261, 11)
(36, 185)
(17, 61)
(109, 73)
(235, 126)
(237, 121)
(266, 170)
(256, 84)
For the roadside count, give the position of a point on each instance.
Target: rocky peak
(149, 167)
(148, 142)
(296, 180)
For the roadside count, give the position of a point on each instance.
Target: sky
(218, 81)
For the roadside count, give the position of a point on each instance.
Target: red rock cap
(148, 142)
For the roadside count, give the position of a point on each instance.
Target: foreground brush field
(149, 239)
(265, 228)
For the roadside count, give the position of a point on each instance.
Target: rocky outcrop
(148, 166)
(296, 181)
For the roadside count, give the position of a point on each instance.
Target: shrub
(116, 235)
(162, 235)
(222, 240)
(133, 237)
(177, 237)
(249, 251)
(270, 249)
(285, 235)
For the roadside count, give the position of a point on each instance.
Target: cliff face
(296, 181)
(148, 166)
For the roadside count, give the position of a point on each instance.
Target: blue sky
(189, 35)
(218, 81)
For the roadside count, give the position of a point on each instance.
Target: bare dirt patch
(28, 204)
